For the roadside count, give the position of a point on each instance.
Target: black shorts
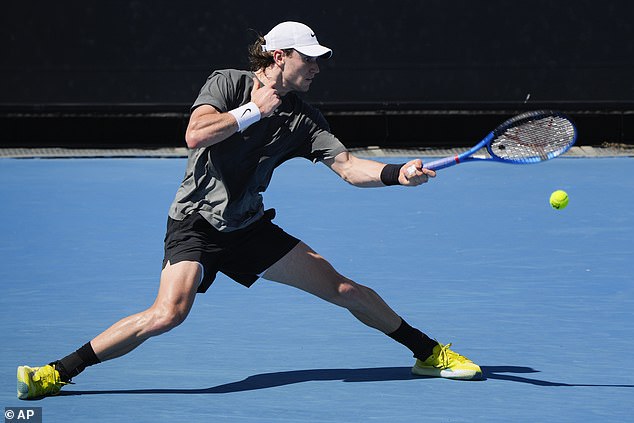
(243, 255)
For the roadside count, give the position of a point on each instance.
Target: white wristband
(246, 115)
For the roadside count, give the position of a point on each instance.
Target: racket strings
(534, 140)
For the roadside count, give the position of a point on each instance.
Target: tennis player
(243, 125)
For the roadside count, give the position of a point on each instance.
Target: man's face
(299, 71)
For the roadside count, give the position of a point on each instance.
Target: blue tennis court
(542, 299)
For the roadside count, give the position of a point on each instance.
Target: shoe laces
(47, 377)
(447, 356)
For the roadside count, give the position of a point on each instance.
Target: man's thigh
(305, 269)
(179, 283)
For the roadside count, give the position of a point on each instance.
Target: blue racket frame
(486, 142)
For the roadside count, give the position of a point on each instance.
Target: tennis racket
(530, 137)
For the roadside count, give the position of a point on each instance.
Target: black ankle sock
(420, 344)
(75, 363)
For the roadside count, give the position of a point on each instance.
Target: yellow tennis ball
(559, 199)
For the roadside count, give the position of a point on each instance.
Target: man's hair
(259, 59)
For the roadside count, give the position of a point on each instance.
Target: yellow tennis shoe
(36, 382)
(448, 364)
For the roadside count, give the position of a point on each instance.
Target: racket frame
(486, 142)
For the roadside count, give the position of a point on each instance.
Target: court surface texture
(542, 299)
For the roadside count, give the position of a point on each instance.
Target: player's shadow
(377, 374)
(510, 373)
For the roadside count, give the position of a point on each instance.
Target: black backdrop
(153, 56)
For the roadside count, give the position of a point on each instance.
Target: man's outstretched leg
(175, 298)
(305, 269)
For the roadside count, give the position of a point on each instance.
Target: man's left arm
(369, 173)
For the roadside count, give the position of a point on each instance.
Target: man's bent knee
(175, 298)
(162, 320)
(350, 294)
(348, 291)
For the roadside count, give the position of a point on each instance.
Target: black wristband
(389, 174)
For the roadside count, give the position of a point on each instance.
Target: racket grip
(442, 163)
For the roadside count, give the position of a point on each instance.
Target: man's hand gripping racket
(530, 137)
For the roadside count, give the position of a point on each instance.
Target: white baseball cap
(297, 36)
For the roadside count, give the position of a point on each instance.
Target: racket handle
(436, 164)
(442, 163)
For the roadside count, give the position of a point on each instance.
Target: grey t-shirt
(224, 182)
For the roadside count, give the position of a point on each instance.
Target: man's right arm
(207, 126)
